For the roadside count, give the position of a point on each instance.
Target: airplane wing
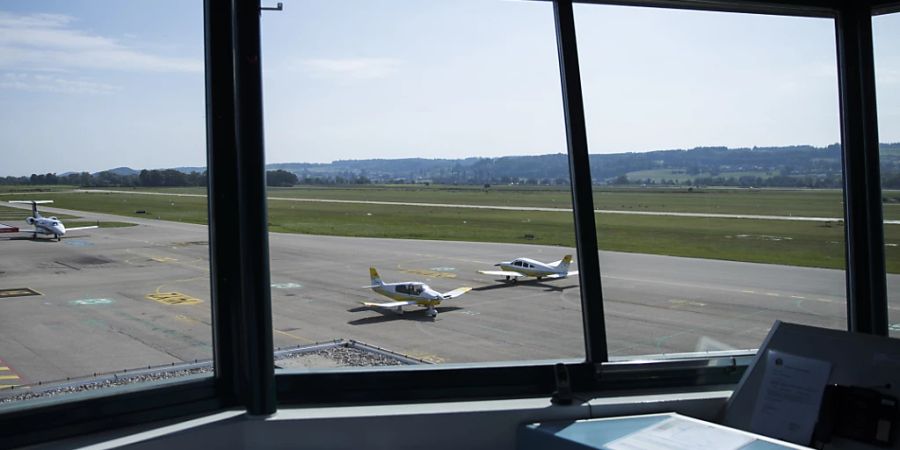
(455, 293)
(559, 275)
(389, 304)
(502, 273)
(82, 228)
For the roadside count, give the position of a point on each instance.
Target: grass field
(799, 202)
(813, 244)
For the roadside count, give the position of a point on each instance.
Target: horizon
(89, 85)
(268, 164)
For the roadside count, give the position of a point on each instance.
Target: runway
(124, 298)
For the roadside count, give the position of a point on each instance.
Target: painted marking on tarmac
(748, 292)
(187, 319)
(286, 285)
(164, 259)
(443, 269)
(174, 298)
(798, 296)
(773, 294)
(18, 292)
(291, 335)
(429, 273)
(680, 302)
(91, 301)
(6, 374)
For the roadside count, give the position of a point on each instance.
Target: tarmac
(123, 298)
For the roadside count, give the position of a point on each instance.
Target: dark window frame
(242, 322)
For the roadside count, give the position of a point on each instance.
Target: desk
(596, 433)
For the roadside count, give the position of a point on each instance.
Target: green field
(799, 202)
(813, 244)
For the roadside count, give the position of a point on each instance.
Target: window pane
(102, 101)
(714, 143)
(424, 140)
(886, 32)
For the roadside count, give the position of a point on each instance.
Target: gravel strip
(341, 355)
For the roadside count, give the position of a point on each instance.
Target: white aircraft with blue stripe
(46, 226)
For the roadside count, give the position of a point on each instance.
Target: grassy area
(16, 214)
(816, 203)
(100, 223)
(9, 191)
(812, 244)
(659, 175)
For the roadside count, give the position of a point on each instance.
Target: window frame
(240, 292)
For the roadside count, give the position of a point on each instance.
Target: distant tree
(281, 178)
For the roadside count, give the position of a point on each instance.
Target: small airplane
(409, 293)
(49, 226)
(527, 267)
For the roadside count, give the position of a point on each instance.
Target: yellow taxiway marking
(429, 273)
(174, 298)
(4, 368)
(9, 377)
(293, 336)
(7, 386)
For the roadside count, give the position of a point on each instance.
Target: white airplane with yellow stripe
(527, 267)
(409, 293)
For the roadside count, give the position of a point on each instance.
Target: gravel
(342, 354)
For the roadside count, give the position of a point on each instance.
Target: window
(887, 72)
(716, 165)
(102, 101)
(428, 160)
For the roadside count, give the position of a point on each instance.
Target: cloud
(53, 83)
(49, 42)
(350, 68)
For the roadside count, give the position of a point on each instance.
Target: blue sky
(91, 85)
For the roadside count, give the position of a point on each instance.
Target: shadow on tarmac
(417, 315)
(508, 284)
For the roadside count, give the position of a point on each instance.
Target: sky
(92, 85)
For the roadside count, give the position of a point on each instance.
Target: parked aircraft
(527, 267)
(48, 226)
(409, 293)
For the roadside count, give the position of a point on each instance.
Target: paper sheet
(681, 434)
(790, 395)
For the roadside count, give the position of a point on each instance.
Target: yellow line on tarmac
(293, 336)
(7, 386)
(4, 368)
(9, 377)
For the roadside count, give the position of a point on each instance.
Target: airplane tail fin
(33, 203)
(376, 279)
(563, 265)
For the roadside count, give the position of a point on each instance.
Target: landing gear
(57, 237)
(431, 312)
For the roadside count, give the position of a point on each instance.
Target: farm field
(801, 243)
